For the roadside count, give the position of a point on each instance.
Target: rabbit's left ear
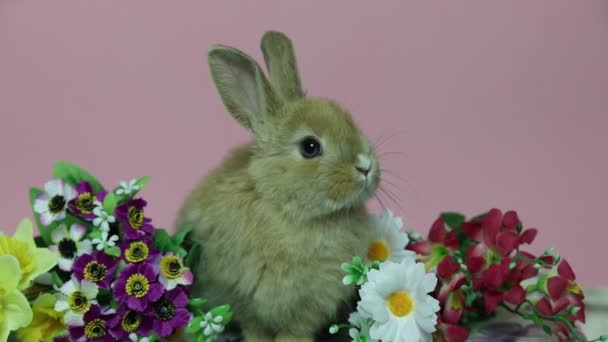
(280, 60)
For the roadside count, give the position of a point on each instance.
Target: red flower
(447, 332)
(563, 288)
(496, 233)
(439, 235)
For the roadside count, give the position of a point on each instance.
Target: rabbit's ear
(280, 60)
(245, 91)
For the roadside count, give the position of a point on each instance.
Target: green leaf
(547, 329)
(181, 235)
(194, 326)
(142, 181)
(224, 311)
(194, 256)
(113, 251)
(197, 302)
(452, 219)
(45, 231)
(110, 202)
(73, 174)
(162, 240)
(201, 338)
(57, 279)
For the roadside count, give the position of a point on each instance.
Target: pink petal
(437, 232)
(472, 230)
(528, 235)
(475, 263)
(544, 306)
(565, 270)
(455, 333)
(556, 286)
(451, 240)
(515, 295)
(421, 247)
(491, 225)
(493, 277)
(510, 220)
(450, 313)
(491, 301)
(446, 267)
(507, 242)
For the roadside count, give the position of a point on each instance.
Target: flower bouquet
(99, 270)
(451, 285)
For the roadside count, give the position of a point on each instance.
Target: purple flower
(98, 268)
(138, 251)
(95, 327)
(137, 286)
(132, 214)
(126, 322)
(83, 204)
(170, 312)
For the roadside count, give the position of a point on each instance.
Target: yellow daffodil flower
(46, 324)
(33, 261)
(15, 311)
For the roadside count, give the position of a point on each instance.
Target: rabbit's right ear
(280, 60)
(245, 91)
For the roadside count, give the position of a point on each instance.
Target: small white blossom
(126, 188)
(212, 326)
(103, 219)
(105, 240)
(134, 338)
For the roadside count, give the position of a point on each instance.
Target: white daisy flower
(69, 244)
(360, 330)
(52, 204)
(388, 241)
(105, 240)
(212, 326)
(75, 299)
(126, 188)
(103, 219)
(396, 298)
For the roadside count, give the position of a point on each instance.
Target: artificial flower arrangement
(441, 288)
(99, 270)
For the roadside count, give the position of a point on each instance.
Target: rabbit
(281, 214)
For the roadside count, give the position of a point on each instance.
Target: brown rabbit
(280, 215)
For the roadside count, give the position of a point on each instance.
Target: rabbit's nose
(364, 164)
(364, 171)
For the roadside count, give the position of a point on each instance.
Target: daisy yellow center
(378, 251)
(95, 271)
(136, 217)
(137, 285)
(137, 252)
(131, 321)
(57, 204)
(78, 302)
(21, 251)
(171, 267)
(95, 329)
(400, 303)
(573, 287)
(85, 203)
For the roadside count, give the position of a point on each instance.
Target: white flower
(103, 219)
(52, 204)
(69, 244)
(75, 299)
(388, 241)
(396, 298)
(105, 240)
(134, 338)
(126, 188)
(361, 325)
(212, 326)
(172, 272)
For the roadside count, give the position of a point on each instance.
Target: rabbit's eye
(310, 148)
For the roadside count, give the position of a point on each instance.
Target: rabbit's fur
(274, 226)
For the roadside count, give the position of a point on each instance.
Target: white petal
(77, 231)
(60, 233)
(65, 264)
(69, 192)
(54, 187)
(97, 221)
(62, 303)
(208, 331)
(85, 247)
(69, 286)
(89, 289)
(218, 319)
(41, 204)
(120, 191)
(72, 318)
(111, 219)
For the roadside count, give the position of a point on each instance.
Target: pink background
(489, 103)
